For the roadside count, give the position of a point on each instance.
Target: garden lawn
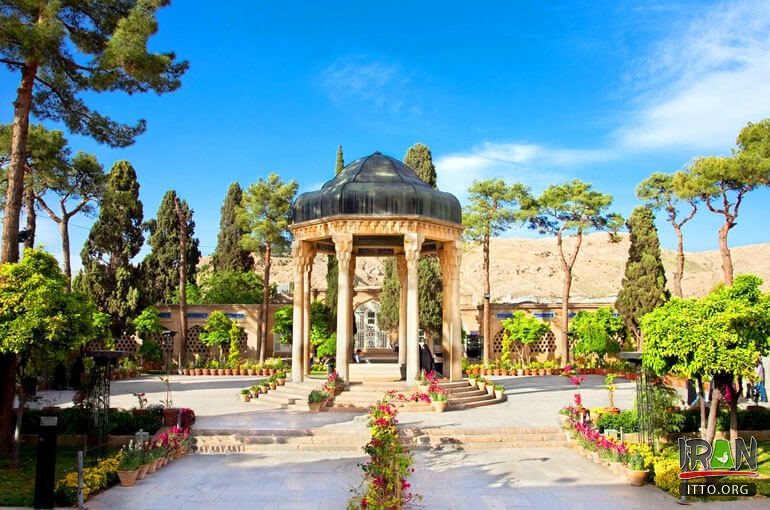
(17, 486)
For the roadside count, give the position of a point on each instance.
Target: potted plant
(490, 387)
(548, 366)
(609, 384)
(439, 400)
(245, 395)
(315, 399)
(131, 460)
(481, 383)
(422, 382)
(472, 380)
(636, 470)
(281, 377)
(272, 382)
(254, 391)
(499, 389)
(263, 387)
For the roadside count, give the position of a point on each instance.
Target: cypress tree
(332, 271)
(419, 159)
(387, 317)
(108, 275)
(644, 284)
(229, 255)
(161, 266)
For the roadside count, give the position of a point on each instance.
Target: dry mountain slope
(530, 268)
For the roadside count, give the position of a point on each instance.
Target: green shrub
(625, 420)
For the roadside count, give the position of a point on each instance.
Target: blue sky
(532, 91)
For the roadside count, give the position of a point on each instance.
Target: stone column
(307, 270)
(456, 371)
(401, 265)
(343, 245)
(351, 283)
(297, 369)
(445, 258)
(412, 244)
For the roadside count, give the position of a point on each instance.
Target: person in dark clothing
(426, 358)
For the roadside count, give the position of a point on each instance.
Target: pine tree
(63, 50)
(419, 159)
(332, 270)
(265, 215)
(491, 211)
(644, 284)
(160, 266)
(229, 255)
(108, 275)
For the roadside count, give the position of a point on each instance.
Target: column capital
(412, 244)
(343, 247)
(450, 258)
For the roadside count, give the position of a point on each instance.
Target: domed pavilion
(377, 207)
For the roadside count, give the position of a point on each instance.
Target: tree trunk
(64, 230)
(486, 313)
(724, 251)
(733, 403)
(566, 267)
(711, 428)
(567, 284)
(7, 395)
(29, 207)
(182, 220)
(679, 270)
(702, 401)
(265, 303)
(15, 175)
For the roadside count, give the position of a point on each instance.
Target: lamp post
(168, 347)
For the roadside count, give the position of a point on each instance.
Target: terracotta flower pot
(128, 478)
(314, 407)
(142, 472)
(637, 478)
(440, 406)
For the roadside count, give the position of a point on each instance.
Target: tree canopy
(494, 205)
(597, 333)
(521, 330)
(571, 208)
(265, 215)
(419, 158)
(668, 192)
(64, 50)
(108, 275)
(160, 266)
(723, 182)
(229, 254)
(718, 337)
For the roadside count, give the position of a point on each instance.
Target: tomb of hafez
(377, 207)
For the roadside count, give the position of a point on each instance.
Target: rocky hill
(529, 268)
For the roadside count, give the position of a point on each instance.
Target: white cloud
(383, 86)
(702, 85)
(534, 164)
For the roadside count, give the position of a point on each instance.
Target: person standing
(759, 382)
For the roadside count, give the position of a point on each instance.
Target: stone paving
(447, 479)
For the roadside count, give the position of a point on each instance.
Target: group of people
(755, 388)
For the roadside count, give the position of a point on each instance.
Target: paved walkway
(477, 479)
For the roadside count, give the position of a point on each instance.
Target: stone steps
(479, 439)
(253, 441)
(216, 441)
